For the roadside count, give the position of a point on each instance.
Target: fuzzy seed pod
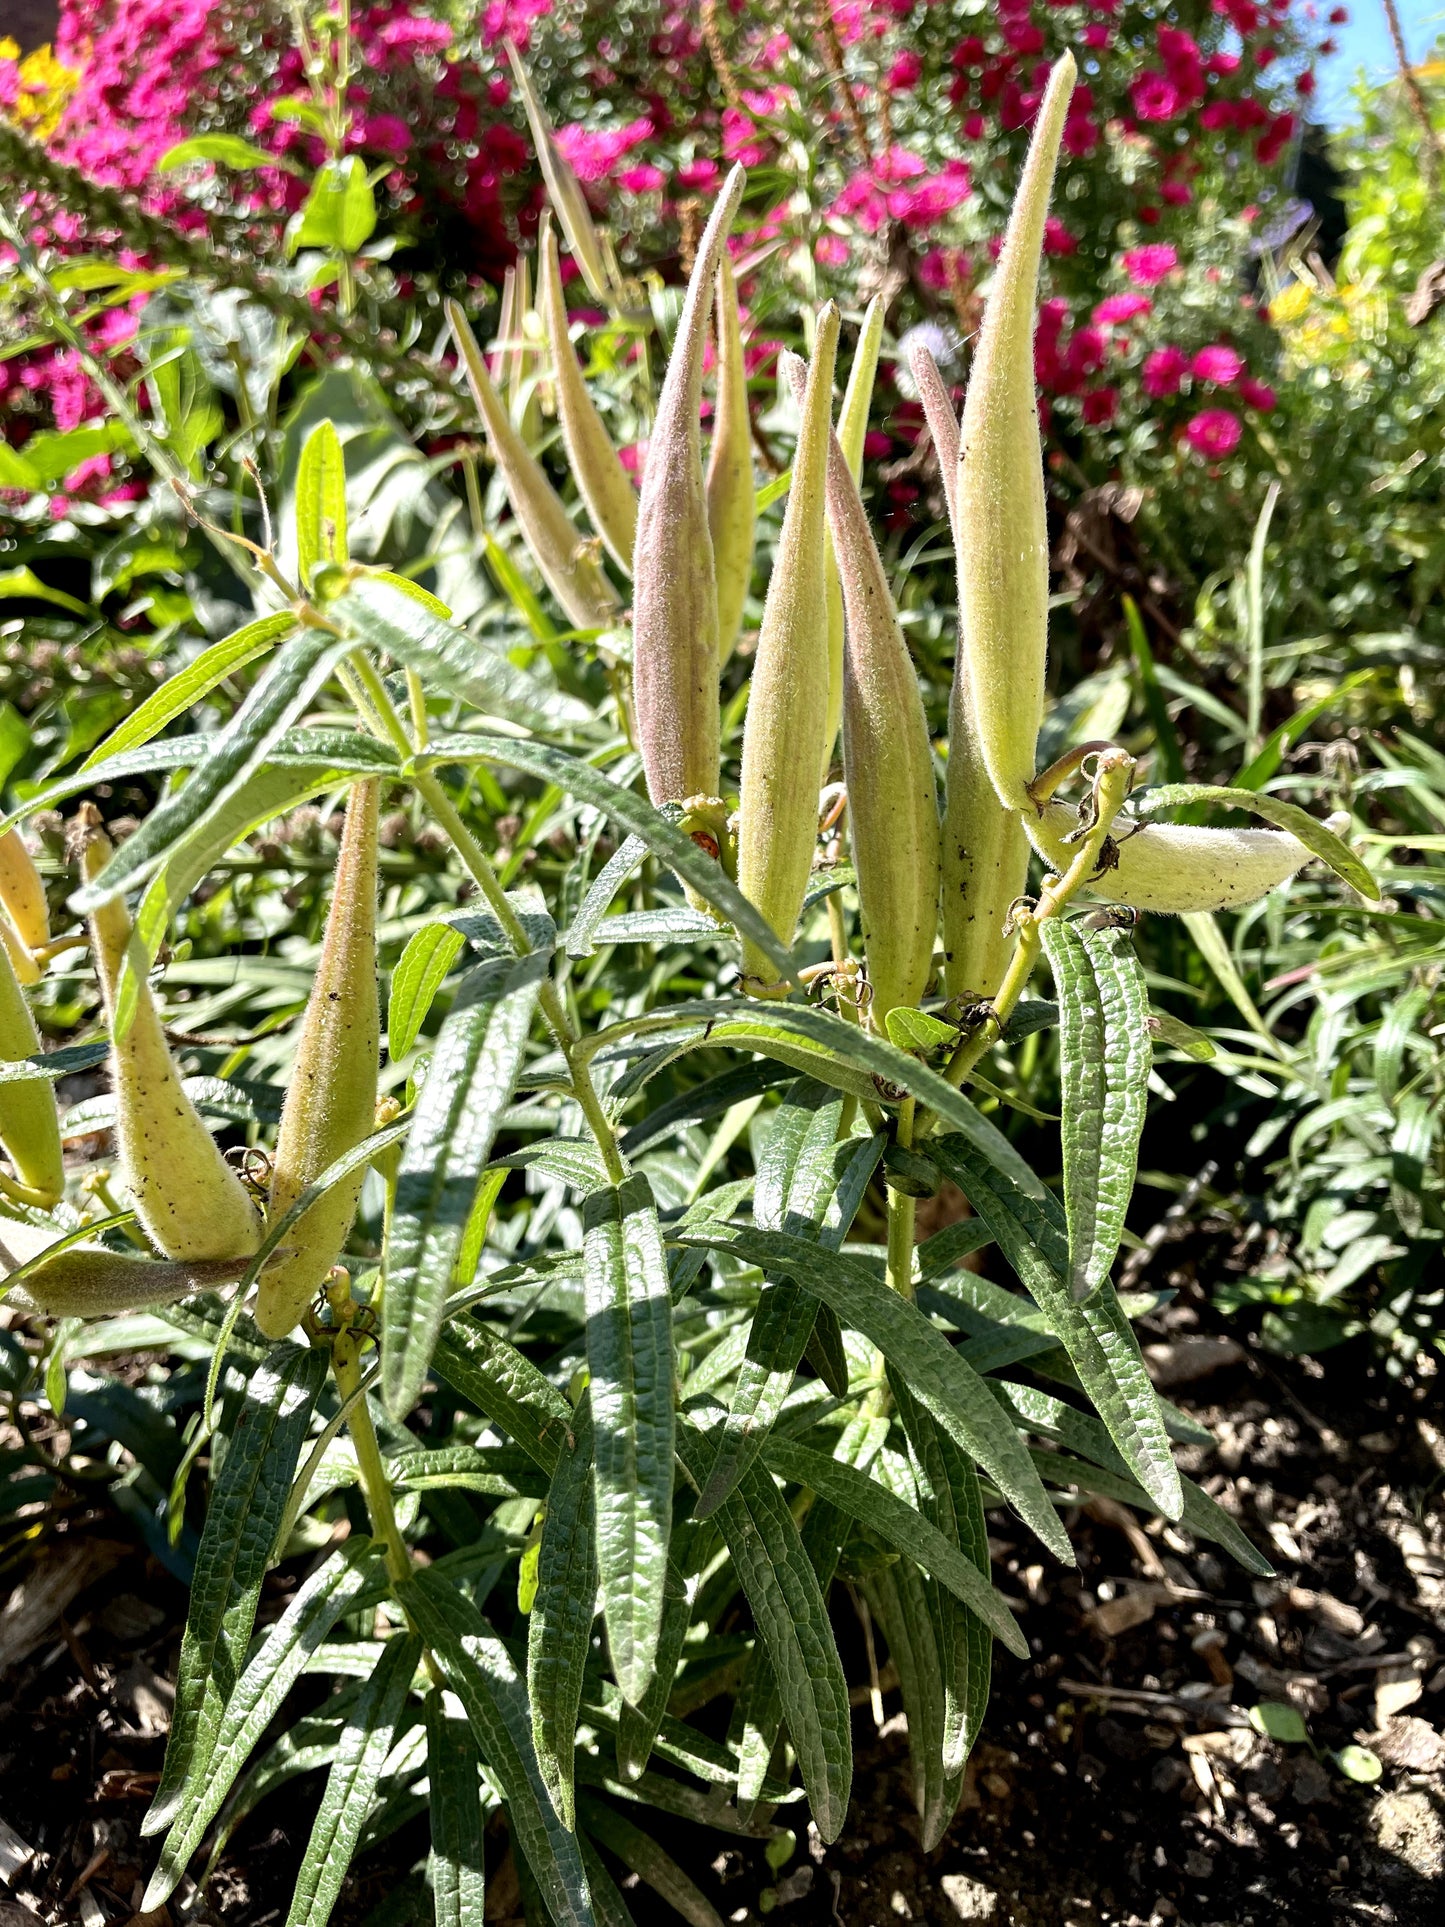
(887, 759)
(674, 588)
(29, 1124)
(788, 699)
(604, 484)
(563, 188)
(569, 564)
(189, 1201)
(87, 1281)
(331, 1101)
(22, 894)
(985, 849)
(1003, 537)
(731, 513)
(1175, 868)
(26, 969)
(852, 428)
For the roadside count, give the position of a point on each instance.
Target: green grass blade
(473, 1070)
(419, 974)
(630, 1358)
(559, 1634)
(361, 1752)
(191, 685)
(458, 1850)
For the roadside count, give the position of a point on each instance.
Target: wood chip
(15, 1854)
(57, 1576)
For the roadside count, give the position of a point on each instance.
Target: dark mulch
(1118, 1780)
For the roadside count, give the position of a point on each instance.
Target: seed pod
(563, 188)
(1003, 539)
(331, 1101)
(26, 969)
(887, 759)
(29, 1124)
(985, 849)
(674, 588)
(22, 894)
(852, 428)
(569, 565)
(731, 513)
(604, 484)
(189, 1201)
(87, 1281)
(788, 699)
(1175, 868)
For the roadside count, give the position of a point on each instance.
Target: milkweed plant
(616, 1471)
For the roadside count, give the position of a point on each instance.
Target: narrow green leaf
(1106, 1059)
(609, 1909)
(1166, 736)
(334, 1589)
(391, 620)
(629, 1356)
(290, 685)
(246, 1507)
(624, 862)
(1401, 1024)
(638, 1726)
(481, 1365)
(1323, 843)
(1097, 1336)
(191, 685)
(458, 1850)
(642, 1855)
(473, 1070)
(942, 1380)
(419, 974)
(228, 150)
(695, 1106)
(480, 1671)
(320, 502)
(361, 1752)
(559, 1634)
(897, 1596)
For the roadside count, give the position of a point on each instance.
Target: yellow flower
(43, 89)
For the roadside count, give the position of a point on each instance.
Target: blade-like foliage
(560, 1628)
(458, 1851)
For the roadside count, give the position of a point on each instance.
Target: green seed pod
(887, 759)
(1003, 539)
(674, 588)
(602, 481)
(29, 1124)
(569, 564)
(22, 894)
(852, 428)
(189, 1201)
(788, 699)
(985, 848)
(731, 511)
(87, 1281)
(331, 1100)
(563, 188)
(1175, 868)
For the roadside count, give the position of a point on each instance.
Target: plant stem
(375, 1486)
(902, 1215)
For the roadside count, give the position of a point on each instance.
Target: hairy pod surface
(26, 969)
(887, 758)
(22, 894)
(852, 428)
(568, 563)
(189, 1201)
(87, 1281)
(602, 481)
(1174, 868)
(29, 1123)
(783, 739)
(331, 1101)
(1002, 531)
(731, 510)
(674, 588)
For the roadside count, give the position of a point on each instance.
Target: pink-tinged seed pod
(29, 1123)
(985, 848)
(87, 1281)
(788, 698)
(1002, 527)
(852, 428)
(887, 758)
(674, 588)
(22, 894)
(1176, 868)
(731, 513)
(602, 481)
(189, 1201)
(564, 190)
(331, 1098)
(569, 564)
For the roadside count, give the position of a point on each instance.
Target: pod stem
(375, 1485)
(902, 1214)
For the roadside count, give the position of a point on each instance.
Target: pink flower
(96, 468)
(831, 250)
(905, 73)
(645, 179)
(1148, 265)
(1057, 238)
(1155, 96)
(1164, 370)
(595, 155)
(1098, 35)
(701, 174)
(1213, 433)
(1100, 406)
(876, 444)
(1257, 394)
(1116, 309)
(387, 133)
(1219, 364)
